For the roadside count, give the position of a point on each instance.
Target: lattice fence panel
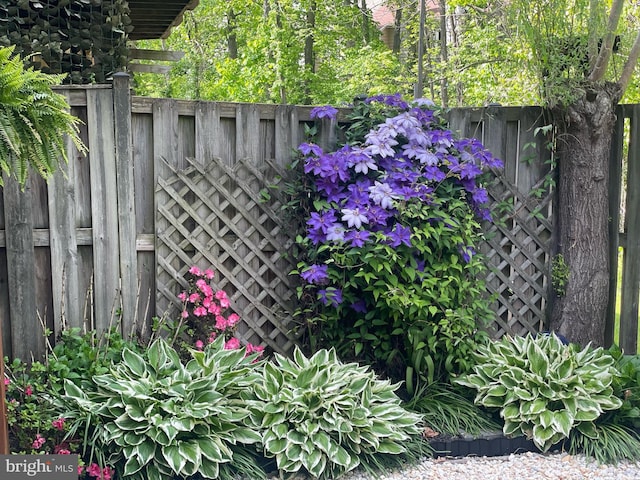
(216, 217)
(518, 251)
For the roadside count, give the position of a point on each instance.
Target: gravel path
(525, 466)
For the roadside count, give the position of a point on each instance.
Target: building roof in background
(154, 19)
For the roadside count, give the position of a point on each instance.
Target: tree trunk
(583, 144)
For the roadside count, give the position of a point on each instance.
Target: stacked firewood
(85, 39)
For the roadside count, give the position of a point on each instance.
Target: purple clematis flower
(326, 111)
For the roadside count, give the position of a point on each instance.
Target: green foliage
(33, 120)
(607, 444)
(153, 417)
(559, 275)
(447, 411)
(626, 386)
(326, 417)
(255, 52)
(543, 388)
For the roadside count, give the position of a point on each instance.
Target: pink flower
(94, 470)
(232, 344)
(58, 424)
(206, 290)
(194, 298)
(28, 391)
(199, 345)
(221, 323)
(107, 473)
(209, 274)
(195, 271)
(199, 311)
(184, 314)
(6, 382)
(80, 469)
(233, 319)
(220, 294)
(182, 296)
(224, 302)
(63, 451)
(200, 283)
(212, 337)
(38, 442)
(214, 309)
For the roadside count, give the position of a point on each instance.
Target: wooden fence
(169, 184)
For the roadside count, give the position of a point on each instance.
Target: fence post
(4, 432)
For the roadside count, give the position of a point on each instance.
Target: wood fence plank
(67, 304)
(631, 268)
(142, 137)
(615, 194)
(104, 209)
(287, 137)
(165, 157)
(126, 203)
(21, 270)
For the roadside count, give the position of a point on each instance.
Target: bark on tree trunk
(583, 145)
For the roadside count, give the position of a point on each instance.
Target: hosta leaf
(311, 462)
(492, 401)
(124, 422)
(341, 457)
(390, 447)
(511, 428)
(324, 442)
(132, 466)
(246, 435)
(588, 429)
(174, 458)
(294, 452)
(276, 445)
(586, 415)
(145, 452)
(523, 394)
(209, 469)
(496, 391)
(134, 362)
(542, 436)
(511, 412)
(307, 377)
(191, 451)
(135, 412)
(546, 419)
(562, 422)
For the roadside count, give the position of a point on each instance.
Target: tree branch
(630, 65)
(604, 55)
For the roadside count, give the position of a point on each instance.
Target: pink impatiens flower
(221, 322)
(233, 319)
(28, 391)
(6, 382)
(232, 344)
(209, 274)
(195, 271)
(199, 311)
(58, 424)
(199, 344)
(94, 470)
(38, 442)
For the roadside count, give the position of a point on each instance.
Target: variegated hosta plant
(324, 417)
(542, 387)
(163, 419)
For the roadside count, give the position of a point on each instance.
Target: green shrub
(153, 417)
(544, 389)
(326, 417)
